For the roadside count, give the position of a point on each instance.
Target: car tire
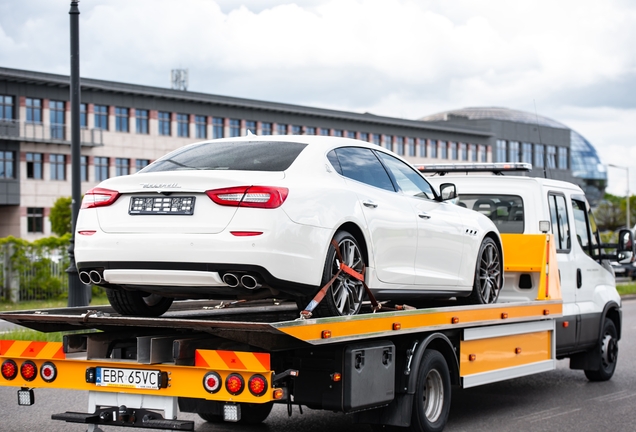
(431, 404)
(488, 274)
(344, 296)
(607, 349)
(137, 303)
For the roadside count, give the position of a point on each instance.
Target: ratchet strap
(307, 312)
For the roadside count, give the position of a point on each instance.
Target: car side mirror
(625, 249)
(447, 191)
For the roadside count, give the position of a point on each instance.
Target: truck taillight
(99, 197)
(48, 372)
(257, 385)
(9, 369)
(268, 197)
(234, 384)
(212, 382)
(28, 370)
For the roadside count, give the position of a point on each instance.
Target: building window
(296, 129)
(122, 167)
(182, 126)
(351, 134)
(526, 152)
(101, 168)
(337, 132)
(323, 131)
(250, 126)
(434, 153)
(551, 157)
(388, 142)
(141, 164)
(473, 153)
(217, 127)
(501, 154)
(310, 130)
(443, 150)
(35, 219)
(235, 127)
(513, 151)
(34, 165)
(399, 142)
(563, 158)
(376, 139)
(121, 119)
(281, 129)
(201, 126)
(483, 153)
(410, 146)
(463, 151)
(7, 160)
(453, 150)
(6, 107)
(364, 136)
(84, 168)
(101, 117)
(83, 117)
(57, 163)
(33, 110)
(266, 128)
(56, 114)
(539, 156)
(141, 121)
(422, 146)
(164, 123)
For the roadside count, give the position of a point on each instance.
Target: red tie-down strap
(343, 269)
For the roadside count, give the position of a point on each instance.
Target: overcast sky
(574, 60)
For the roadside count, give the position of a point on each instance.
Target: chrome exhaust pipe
(250, 282)
(231, 280)
(95, 277)
(85, 278)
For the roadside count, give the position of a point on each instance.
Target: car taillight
(257, 385)
(48, 372)
(9, 370)
(234, 384)
(250, 196)
(99, 197)
(28, 370)
(212, 382)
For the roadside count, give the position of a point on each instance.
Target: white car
(254, 217)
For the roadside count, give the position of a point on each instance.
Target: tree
(60, 216)
(610, 213)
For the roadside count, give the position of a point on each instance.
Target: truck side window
(585, 228)
(560, 222)
(506, 211)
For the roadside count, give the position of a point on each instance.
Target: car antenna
(545, 150)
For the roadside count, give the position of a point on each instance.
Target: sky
(574, 60)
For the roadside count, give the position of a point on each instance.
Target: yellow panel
(523, 252)
(497, 353)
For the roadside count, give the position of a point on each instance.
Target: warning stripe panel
(32, 350)
(233, 360)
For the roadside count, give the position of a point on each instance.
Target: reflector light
(28, 370)
(249, 196)
(518, 350)
(48, 372)
(504, 315)
(454, 320)
(546, 311)
(336, 377)
(212, 382)
(326, 334)
(279, 394)
(245, 233)
(9, 370)
(234, 384)
(397, 326)
(257, 385)
(472, 357)
(87, 232)
(99, 197)
(566, 324)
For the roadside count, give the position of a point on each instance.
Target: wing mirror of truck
(625, 249)
(448, 192)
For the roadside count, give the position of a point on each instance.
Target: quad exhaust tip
(250, 282)
(95, 277)
(85, 278)
(231, 280)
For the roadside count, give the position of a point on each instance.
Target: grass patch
(32, 335)
(627, 288)
(46, 304)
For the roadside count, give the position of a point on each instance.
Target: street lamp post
(626, 168)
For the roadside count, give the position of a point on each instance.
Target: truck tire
(344, 297)
(137, 303)
(251, 414)
(488, 274)
(431, 403)
(607, 349)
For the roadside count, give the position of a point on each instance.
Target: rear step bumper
(125, 417)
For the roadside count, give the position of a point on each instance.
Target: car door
(440, 230)
(390, 219)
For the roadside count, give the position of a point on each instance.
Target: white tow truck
(395, 367)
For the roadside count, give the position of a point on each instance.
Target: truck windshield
(506, 211)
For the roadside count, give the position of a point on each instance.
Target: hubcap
(489, 274)
(609, 350)
(346, 290)
(433, 396)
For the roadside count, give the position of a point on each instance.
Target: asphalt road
(560, 400)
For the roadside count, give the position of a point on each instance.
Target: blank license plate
(161, 205)
(128, 378)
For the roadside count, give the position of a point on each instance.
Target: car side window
(408, 180)
(333, 159)
(362, 165)
(560, 222)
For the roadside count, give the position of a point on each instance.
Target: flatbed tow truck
(231, 362)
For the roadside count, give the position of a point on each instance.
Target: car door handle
(369, 204)
(424, 215)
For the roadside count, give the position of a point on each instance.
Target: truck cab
(529, 205)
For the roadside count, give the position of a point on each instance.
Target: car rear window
(506, 211)
(239, 156)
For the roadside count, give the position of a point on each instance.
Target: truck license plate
(128, 378)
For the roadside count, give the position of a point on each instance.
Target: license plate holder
(161, 205)
(144, 379)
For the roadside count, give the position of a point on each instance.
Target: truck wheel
(608, 351)
(488, 274)
(431, 404)
(250, 414)
(137, 303)
(344, 297)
